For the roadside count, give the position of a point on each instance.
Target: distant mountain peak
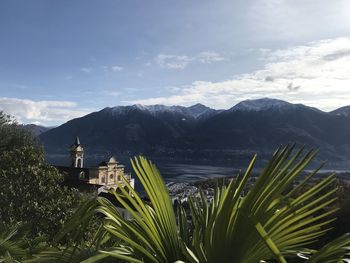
(263, 104)
(119, 110)
(343, 111)
(195, 111)
(198, 106)
(199, 110)
(163, 108)
(137, 106)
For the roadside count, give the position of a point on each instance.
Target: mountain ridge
(195, 111)
(267, 104)
(201, 132)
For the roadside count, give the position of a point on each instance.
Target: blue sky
(62, 59)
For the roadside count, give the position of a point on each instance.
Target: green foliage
(12, 135)
(69, 255)
(274, 220)
(11, 243)
(30, 190)
(268, 222)
(332, 252)
(153, 234)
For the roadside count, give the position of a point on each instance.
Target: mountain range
(199, 132)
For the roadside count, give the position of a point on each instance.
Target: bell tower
(77, 154)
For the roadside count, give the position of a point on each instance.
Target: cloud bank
(316, 74)
(180, 62)
(40, 112)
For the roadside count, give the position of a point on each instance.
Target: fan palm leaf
(336, 251)
(266, 222)
(152, 234)
(11, 243)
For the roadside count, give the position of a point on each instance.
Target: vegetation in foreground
(30, 189)
(275, 220)
(33, 203)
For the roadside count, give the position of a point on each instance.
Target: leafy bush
(30, 190)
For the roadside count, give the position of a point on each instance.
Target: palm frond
(66, 255)
(11, 243)
(153, 232)
(336, 251)
(266, 222)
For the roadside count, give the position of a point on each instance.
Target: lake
(177, 170)
(172, 170)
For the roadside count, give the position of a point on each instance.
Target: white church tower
(77, 154)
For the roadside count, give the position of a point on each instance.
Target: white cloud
(10, 85)
(296, 20)
(38, 123)
(208, 57)
(43, 112)
(86, 70)
(116, 68)
(111, 93)
(170, 61)
(317, 74)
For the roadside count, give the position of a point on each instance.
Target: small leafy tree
(12, 135)
(30, 190)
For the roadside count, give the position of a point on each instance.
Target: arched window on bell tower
(77, 154)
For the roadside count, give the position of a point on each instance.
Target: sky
(63, 59)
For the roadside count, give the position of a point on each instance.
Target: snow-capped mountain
(196, 111)
(201, 111)
(265, 104)
(261, 104)
(200, 132)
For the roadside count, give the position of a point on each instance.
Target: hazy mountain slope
(36, 130)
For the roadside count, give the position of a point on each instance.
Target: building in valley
(108, 174)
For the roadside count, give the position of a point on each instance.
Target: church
(105, 175)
